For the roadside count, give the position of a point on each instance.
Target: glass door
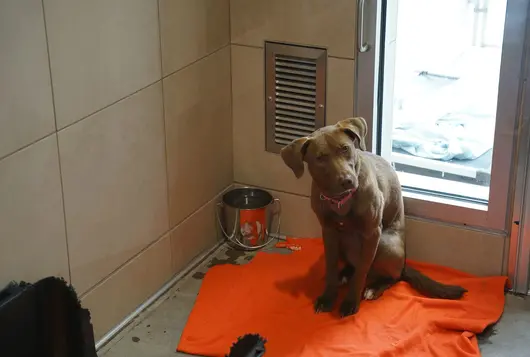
(440, 82)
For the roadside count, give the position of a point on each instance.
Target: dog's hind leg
(387, 266)
(376, 288)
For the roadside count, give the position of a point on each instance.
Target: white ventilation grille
(295, 92)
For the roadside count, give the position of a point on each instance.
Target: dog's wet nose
(347, 182)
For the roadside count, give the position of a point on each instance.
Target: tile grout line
(124, 264)
(218, 194)
(57, 130)
(165, 128)
(229, 22)
(28, 145)
(272, 189)
(231, 85)
(57, 143)
(142, 88)
(151, 244)
(262, 48)
(355, 64)
(194, 263)
(109, 105)
(195, 61)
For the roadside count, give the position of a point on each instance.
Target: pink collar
(337, 202)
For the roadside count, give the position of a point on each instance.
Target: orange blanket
(273, 295)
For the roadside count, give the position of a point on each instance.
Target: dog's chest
(343, 223)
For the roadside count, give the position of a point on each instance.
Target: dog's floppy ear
(355, 128)
(293, 155)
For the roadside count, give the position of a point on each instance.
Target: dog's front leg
(370, 236)
(325, 302)
(351, 302)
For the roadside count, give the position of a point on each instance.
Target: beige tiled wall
(330, 24)
(324, 23)
(115, 142)
(199, 132)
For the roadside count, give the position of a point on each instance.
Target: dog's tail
(430, 287)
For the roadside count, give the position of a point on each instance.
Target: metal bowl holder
(233, 237)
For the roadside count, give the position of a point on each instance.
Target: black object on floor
(250, 345)
(44, 319)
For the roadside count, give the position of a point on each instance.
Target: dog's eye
(344, 149)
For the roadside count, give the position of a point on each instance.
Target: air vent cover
(295, 92)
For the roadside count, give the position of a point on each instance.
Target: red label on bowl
(252, 225)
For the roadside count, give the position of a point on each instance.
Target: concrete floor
(156, 332)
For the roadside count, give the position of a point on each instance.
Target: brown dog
(356, 196)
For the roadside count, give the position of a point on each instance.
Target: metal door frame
(519, 239)
(494, 217)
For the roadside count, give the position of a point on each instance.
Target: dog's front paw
(348, 308)
(370, 294)
(325, 302)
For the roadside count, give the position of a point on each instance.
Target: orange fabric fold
(273, 295)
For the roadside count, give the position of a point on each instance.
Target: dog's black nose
(347, 183)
